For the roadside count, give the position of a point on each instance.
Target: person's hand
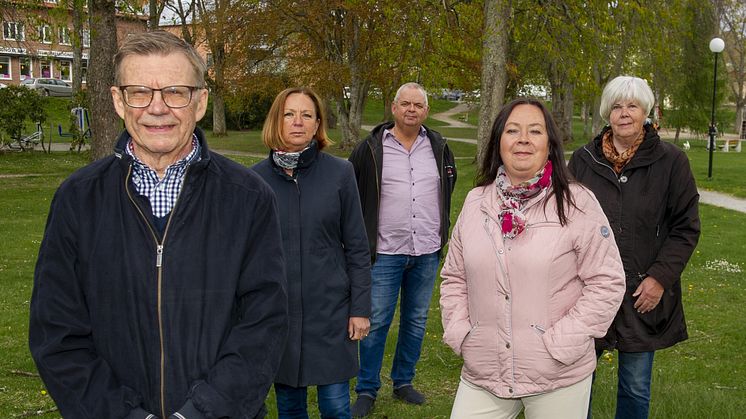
(358, 327)
(648, 294)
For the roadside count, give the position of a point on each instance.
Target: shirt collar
(180, 164)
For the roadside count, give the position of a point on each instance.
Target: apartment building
(37, 39)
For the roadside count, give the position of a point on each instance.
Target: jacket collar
(306, 159)
(648, 152)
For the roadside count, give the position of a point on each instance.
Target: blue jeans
(633, 386)
(633, 389)
(334, 401)
(414, 277)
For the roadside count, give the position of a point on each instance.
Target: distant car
(49, 87)
(2, 86)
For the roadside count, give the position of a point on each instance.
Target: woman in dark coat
(647, 191)
(326, 253)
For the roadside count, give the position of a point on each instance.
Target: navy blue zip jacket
(126, 320)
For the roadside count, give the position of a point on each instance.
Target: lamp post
(717, 46)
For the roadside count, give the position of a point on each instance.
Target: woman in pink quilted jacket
(532, 275)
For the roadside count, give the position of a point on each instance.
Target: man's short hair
(158, 43)
(411, 85)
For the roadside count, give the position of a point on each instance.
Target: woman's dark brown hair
(492, 160)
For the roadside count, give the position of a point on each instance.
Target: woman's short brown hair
(272, 130)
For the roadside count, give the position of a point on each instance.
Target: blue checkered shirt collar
(162, 193)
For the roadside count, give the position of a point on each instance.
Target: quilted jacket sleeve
(454, 304)
(599, 266)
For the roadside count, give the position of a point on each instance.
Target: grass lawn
(699, 378)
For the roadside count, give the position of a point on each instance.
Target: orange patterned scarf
(613, 156)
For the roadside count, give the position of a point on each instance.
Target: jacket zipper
(617, 177)
(602, 164)
(159, 273)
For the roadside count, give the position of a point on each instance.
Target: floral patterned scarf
(513, 198)
(613, 156)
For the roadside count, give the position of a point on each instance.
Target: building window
(64, 35)
(45, 67)
(45, 34)
(83, 70)
(66, 70)
(5, 68)
(86, 38)
(13, 31)
(26, 69)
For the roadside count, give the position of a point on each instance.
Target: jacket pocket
(477, 350)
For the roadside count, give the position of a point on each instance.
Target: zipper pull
(159, 256)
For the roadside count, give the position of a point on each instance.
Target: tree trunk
(494, 71)
(77, 39)
(351, 110)
(105, 123)
(154, 16)
(218, 115)
(218, 103)
(562, 101)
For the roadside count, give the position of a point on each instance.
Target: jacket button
(500, 251)
(507, 345)
(507, 298)
(510, 390)
(623, 179)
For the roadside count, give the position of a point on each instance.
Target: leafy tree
(21, 106)
(691, 94)
(732, 15)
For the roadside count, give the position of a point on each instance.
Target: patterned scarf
(288, 159)
(613, 156)
(513, 199)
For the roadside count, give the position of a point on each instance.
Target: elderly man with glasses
(159, 290)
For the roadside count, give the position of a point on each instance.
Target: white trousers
(565, 403)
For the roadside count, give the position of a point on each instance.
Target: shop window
(13, 31)
(26, 69)
(86, 38)
(5, 68)
(45, 68)
(66, 70)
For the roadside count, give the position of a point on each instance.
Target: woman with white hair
(647, 191)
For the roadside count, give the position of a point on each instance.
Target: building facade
(37, 39)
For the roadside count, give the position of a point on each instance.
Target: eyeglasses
(173, 96)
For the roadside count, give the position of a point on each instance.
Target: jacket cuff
(660, 276)
(139, 413)
(188, 411)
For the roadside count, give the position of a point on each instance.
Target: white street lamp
(717, 46)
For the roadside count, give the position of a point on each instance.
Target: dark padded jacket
(652, 206)
(126, 321)
(367, 158)
(328, 266)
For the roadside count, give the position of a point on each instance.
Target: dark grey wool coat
(327, 263)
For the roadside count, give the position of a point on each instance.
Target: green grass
(701, 377)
